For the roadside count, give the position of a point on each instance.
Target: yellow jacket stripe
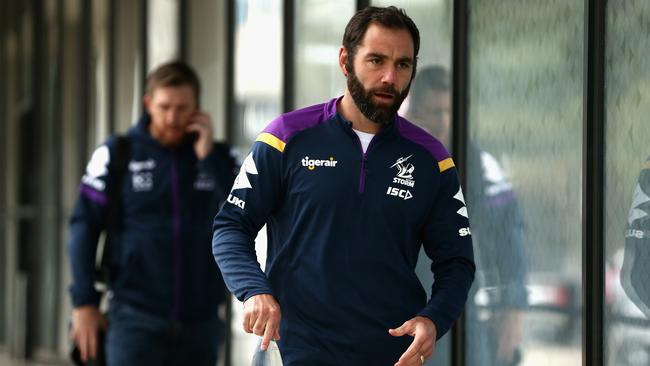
(445, 164)
(272, 141)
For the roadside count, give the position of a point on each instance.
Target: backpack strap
(117, 169)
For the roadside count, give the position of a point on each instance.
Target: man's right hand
(86, 323)
(262, 317)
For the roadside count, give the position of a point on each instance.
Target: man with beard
(494, 333)
(349, 192)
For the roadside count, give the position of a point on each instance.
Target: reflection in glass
(525, 126)
(627, 184)
(430, 107)
(258, 99)
(258, 68)
(318, 34)
(434, 20)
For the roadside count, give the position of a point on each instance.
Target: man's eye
(404, 65)
(375, 61)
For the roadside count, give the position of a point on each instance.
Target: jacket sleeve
(634, 273)
(447, 241)
(255, 194)
(86, 223)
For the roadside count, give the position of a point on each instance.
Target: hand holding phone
(201, 125)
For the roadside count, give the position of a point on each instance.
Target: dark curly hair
(389, 17)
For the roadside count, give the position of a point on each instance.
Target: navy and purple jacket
(160, 260)
(636, 260)
(344, 231)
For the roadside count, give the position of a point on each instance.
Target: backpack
(117, 169)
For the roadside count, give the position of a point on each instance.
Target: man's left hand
(423, 331)
(201, 125)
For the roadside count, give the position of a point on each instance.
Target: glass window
(72, 148)
(162, 32)
(207, 45)
(99, 64)
(4, 115)
(429, 103)
(38, 239)
(258, 100)
(434, 20)
(524, 183)
(258, 68)
(12, 60)
(627, 184)
(3, 272)
(318, 34)
(128, 64)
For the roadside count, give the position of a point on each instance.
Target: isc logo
(401, 193)
(236, 201)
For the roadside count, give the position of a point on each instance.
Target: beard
(167, 136)
(382, 115)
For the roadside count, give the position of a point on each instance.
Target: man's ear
(343, 60)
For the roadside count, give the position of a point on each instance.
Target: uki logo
(311, 164)
(236, 201)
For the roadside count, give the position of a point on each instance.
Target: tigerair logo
(311, 164)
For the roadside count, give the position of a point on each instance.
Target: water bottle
(270, 357)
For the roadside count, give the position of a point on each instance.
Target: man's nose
(390, 75)
(172, 116)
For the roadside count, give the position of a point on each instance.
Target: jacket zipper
(362, 175)
(176, 242)
(364, 161)
(364, 155)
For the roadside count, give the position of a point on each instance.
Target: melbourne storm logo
(405, 171)
(403, 177)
